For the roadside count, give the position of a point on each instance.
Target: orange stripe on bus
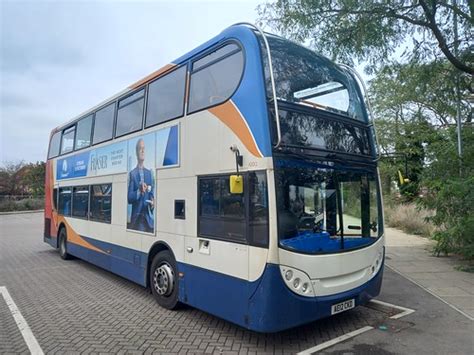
(232, 118)
(73, 237)
(152, 76)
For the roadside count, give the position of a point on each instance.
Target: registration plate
(343, 306)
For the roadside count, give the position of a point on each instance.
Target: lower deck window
(64, 203)
(89, 202)
(101, 203)
(222, 214)
(242, 217)
(80, 201)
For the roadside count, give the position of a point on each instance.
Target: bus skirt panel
(274, 307)
(265, 305)
(126, 262)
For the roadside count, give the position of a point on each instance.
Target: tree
(411, 103)
(451, 194)
(373, 31)
(33, 178)
(22, 179)
(403, 91)
(10, 179)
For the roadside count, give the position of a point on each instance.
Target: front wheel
(164, 280)
(63, 245)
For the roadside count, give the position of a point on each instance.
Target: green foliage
(451, 186)
(373, 31)
(19, 179)
(33, 178)
(26, 204)
(421, 91)
(413, 105)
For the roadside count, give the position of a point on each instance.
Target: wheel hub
(163, 280)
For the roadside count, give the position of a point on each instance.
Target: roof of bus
(234, 31)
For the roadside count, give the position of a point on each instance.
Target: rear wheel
(164, 280)
(63, 244)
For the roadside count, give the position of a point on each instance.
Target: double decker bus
(240, 179)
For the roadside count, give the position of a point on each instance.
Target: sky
(60, 58)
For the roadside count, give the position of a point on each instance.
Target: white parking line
(404, 312)
(334, 341)
(25, 330)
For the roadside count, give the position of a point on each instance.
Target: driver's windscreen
(322, 209)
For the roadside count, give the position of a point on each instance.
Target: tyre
(63, 245)
(164, 280)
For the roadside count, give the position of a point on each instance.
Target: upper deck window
(315, 131)
(104, 124)
(130, 113)
(54, 145)
(67, 143)
(304, 77)
(166, 97)
(83, 134)
(221, 52)
(215, 78)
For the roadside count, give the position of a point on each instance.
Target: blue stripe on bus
(264, 305)
(126, 262)
(250, 98)
(52, 240)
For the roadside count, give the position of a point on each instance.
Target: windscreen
(323, 209)
(304, 77)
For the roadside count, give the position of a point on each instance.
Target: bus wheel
(164, 280)
(63, 245)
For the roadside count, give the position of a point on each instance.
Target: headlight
(297, 281)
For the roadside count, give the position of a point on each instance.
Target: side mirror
(236, 184)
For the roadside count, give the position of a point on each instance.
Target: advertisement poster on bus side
(141, 184)
(110, 159)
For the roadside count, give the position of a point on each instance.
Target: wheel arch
(154, 250)
(61, 226)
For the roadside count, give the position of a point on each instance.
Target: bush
(409, 218)
(450, 181)
(26, 204)
(454, 204)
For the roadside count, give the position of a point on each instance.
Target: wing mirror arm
(239, 159)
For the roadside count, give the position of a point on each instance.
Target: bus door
(231, 246)
(217, 258)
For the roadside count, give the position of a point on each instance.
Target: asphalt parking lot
(76, 307)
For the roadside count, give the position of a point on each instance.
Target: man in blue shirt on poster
(140, 193)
